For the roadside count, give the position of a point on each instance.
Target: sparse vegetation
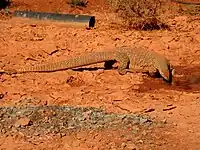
(190, 9)
(80, 3)
(139, 14)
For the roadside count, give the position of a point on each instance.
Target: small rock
(191, 131)
(123, 145)
(144, 133)
(1, 95)
(167, 39)
(37, 39)
(127, 86)
(131, 146)
(23, 122)
(164, 121)
(33, 25)
(135, 87)
(75, 81)
(143, 120)
(141, 141)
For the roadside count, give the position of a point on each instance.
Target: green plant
(75, 3)
(139, 14)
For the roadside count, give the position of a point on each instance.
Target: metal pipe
(82, 20)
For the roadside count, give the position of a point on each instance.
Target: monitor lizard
(131, 59)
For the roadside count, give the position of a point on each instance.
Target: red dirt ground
(29, 42)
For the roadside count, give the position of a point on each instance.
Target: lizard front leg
(123, 60)
(153, 72)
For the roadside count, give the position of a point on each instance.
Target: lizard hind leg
(124, 62)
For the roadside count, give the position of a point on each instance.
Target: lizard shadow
(184, 80)
(89, 69)
(108, 65)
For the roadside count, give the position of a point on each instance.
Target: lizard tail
(73, 62)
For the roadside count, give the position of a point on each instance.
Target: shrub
(139, 14)
(75, 3)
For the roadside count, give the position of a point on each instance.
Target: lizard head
(164, 67)
(167, 72)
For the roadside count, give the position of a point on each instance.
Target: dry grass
(78, 3)
(139, 14)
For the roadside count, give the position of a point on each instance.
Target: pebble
(22, 122)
